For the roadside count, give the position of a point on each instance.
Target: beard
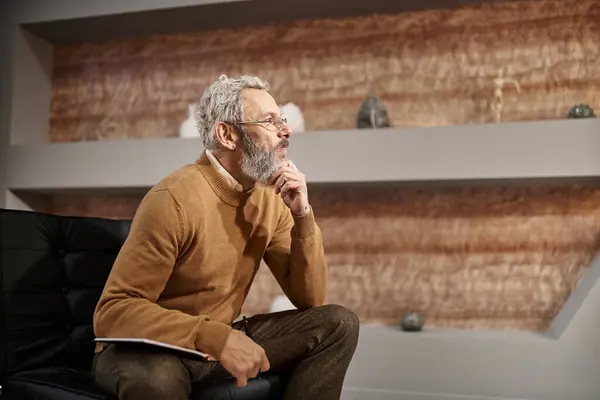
(259, 164)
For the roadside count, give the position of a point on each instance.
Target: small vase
(294, 116)
(188, 129)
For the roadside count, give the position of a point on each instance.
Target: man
(195, 244)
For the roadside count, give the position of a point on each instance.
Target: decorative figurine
(412, 321)
(295, 118)
(188, 129)
(581, 111)
(499, 83)
(372, 114)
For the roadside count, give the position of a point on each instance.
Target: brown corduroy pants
(316, 345)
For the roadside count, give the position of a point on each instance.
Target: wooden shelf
(554, 150)
(181, 16)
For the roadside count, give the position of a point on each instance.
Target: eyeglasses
(272, 124)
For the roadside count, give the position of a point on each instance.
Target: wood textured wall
(430, 68)
(487, 257)
(468, 257)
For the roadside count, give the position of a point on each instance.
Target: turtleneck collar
(233, 195)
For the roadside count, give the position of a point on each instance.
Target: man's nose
(285, 131)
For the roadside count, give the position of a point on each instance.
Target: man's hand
(291, 184)
(243, 358)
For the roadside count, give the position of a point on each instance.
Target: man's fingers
(276, 176)
(287, 166)
(265, 365)
(241, 380)
(293, 171)
(283, 179)
(277, 183)
(253, 372)
(290, 185)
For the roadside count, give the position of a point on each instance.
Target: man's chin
(282, 153)
(264, 179)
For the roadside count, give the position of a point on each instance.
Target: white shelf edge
(555, 149)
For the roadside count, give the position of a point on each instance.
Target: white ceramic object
(188, 129)
(281, 303)
(294, 116)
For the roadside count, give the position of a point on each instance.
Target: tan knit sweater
(194, 247)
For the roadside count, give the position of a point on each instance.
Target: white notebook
(155, 343)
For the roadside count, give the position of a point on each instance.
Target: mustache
(284, 143)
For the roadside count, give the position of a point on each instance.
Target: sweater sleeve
(296, 258)
(127, 307)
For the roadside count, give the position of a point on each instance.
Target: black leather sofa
(52, 271)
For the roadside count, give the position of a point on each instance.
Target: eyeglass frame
(277, 126)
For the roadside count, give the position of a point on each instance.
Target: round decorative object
(581, 111)
(412, 321)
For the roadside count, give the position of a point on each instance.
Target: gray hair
(222, 102)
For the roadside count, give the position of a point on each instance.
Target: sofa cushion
(266, 387)
(70, 384)
(51, 384)
(52, 272)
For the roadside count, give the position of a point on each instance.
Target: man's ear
(226, 135)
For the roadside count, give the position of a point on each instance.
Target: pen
(247, 327)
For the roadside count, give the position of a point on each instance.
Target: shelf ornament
(581, 111)
(498, 104)
(412, 321)
(372, 114)
(188, 129)
(295, 117)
